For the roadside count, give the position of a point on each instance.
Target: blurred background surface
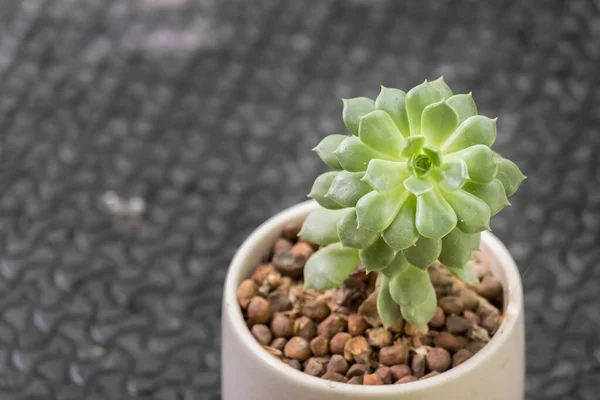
(142, 140)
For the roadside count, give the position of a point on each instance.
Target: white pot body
(497, 372)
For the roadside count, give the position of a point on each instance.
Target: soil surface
(337, 334)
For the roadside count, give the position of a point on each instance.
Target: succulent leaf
(320, 226)
(376, 210)
(330, 266)
(481, 163)
(434, 155)
(383, 175)
(438, 122)
(326, 149)
(424, 252)
(397, 266)
(392, 102)
(464, 105)
(377, 256)
(473, 214)
(456, 249)
(474, 130)
(420, 314)
(492, 193)
(413, 291)
(351, 235)
(403, 232)
(442, 87)
(378, 131)
(347, 188)
(435, 217)
(510, 175)
(467, 273)
(417, 99)
(355, 108)
(354, 155)
(388, 310)
(418, 186)
(321, 187)
(452, 175)
(413, 145)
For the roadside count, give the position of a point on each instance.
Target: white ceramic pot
(497, 372)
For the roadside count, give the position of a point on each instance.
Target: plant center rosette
(415, 182)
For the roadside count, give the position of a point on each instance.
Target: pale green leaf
(320, 226)
(452, 175)
(480, 160)
(473, 214)
(417, 99)
(417, 186)
(387, 309)
(397, 266)
(434, 154)
(321, 187)
(355, 108)
(377, 256)
(510, 175)
(376, 210)
(383, 175)
(403, 232)
(330, 266)
(392, 102)
(492, 193)
(438, 123)
(424, 252)
(442, 87)
(467, 274)
(325, 149)
(435, 218)
(351, 235)
(347, 188)
(354, 155)
(412, 146)
(477, 129)
(474, 241)
(464, 105)
(456, 249)
(411, 287)
(378, 131)
(420, 314)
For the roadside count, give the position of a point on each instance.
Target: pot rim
(513, 299)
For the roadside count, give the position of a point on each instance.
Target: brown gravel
(337, 335)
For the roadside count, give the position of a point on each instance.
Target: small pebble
(379, 337)
(289, 265)
(490, 323)
(292, 229)
(471, 317)
(372, 380)
(418, 365)
(333, 324)
(386, 375)
(337, 364)
(317, 309)
(356, 380)
(335, 377)
(319, 346)
(314, 368)
(357, 370)
(489, 288)
(430, 375)
(460, 357)
(262, 333)
(456, 324)
(357, 349)
(438, 320)
(261, 273)
(338, 342)
(282, 326)
(413, 330)
(478, 333)
(293, 363)
(279, 343)
(406, 379)
(400, 371)
(259, 310)
(305, 328)
(273, 351)
(280, 301)
(469, 299)
(246, 291)
(297, 348)
(303, 250)
(281, 245)
(356, 324)
(451, 305)
(449, 341)
(398, 326)
(368, 310)
(392, 355)
(475, 346)
(438, 359)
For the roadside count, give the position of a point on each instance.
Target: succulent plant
(416, 181)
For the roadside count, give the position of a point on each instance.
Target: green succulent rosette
(415, 182)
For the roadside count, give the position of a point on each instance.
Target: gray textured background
(208, 110)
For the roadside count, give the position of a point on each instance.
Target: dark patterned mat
(207, 110)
